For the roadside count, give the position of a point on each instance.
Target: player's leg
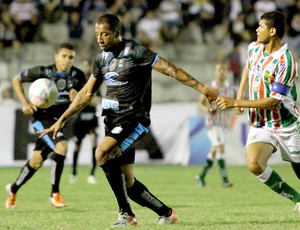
(39, 155)
(79, 132)
(73, 177)
(258, 153)
(296, 168)
(106, 154)
(140, 194)
(222, 166)
(91, 178)
(200, 178)
(57, 166)
(118, 140)
(116, 180)
(212, 135)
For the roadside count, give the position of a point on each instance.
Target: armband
(280, 88)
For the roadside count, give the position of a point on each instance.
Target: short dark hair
(275, 19)
(66, 45)
(113, 21)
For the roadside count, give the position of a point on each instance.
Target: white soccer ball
(43, 93)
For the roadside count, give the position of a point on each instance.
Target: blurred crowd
(153, 23)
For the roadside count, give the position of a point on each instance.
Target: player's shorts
(127, 133)
(46, 144)
(82, 127)
(217, 135)
(288, 141)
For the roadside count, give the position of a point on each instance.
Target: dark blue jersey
(127, 74)
(75, 79)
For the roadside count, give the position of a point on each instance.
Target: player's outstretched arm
(167, 68)
(81, 100)
(264, 103)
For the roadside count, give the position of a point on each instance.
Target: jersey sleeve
(286, 73)
(145, 56)
(31, 74)
(79, 81)
(97, 68)
(250, 51)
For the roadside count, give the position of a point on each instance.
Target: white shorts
(288, 142)
(217, 135)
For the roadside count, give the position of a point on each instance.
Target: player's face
(105, 37)
(64, 60)
(263, 32)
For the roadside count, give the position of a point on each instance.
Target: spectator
(206, 18)
(263, 6)
(51, 10)
(8, 42)
(75, 27)
(129, 25)
(171, 16)
(234, 60)
(91, 9)
(149, 30)
(24, 14)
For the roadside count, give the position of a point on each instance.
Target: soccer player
(271, 71)
(217, 123)
(86, 123)
(69, 80)
(126, 68)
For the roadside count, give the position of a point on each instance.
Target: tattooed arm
(82, 99)
(165, 67)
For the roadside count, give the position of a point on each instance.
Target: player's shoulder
(255, 45)
(77, 70)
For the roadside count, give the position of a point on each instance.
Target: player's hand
(29, 109)
(211, 94)
(55, 128)
(225, 102)
(239, 110)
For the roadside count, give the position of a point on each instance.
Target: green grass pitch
(247, 205)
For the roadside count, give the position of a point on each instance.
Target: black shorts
(82, 128)
(46, 143)
(127, 133)
(127, 157)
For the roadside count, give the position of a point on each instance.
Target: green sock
(270, 178)
(208, 164)
(223, 171)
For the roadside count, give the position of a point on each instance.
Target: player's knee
(101, 156)
(61, 148)
(36, 163)
(254, 167)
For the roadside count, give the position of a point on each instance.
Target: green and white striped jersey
(272, 76)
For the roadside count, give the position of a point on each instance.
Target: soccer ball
(43, 93)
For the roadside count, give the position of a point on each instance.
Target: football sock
(57, 167)
(140, 194)
(94, 163)
(270, 178)
(208, 164)
(222, 168)
(116, 180)
(26, 173)
(75, 159)
(296, 168)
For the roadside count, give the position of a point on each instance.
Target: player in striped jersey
(271, 71)
(217, 123)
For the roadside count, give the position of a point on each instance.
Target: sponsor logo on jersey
(109, 78)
